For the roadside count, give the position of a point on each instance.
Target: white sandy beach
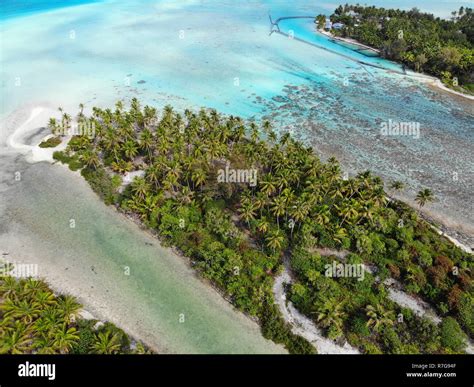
(425, 78)
(37, 119)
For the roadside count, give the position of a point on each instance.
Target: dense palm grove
(237, 234)
(444, 48)
(33, 320)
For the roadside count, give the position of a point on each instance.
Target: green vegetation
(236, 232)
(424, 196)
(33, 320)
(443, 48)
(51, 142)
(452, 336)
(73, 161)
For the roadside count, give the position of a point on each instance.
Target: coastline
(36, 154)
(347, 40)
(31, 153)
(106, 301)
(115, 71)
(459, 234)
(425, 78)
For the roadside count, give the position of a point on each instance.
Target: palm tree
(198, 176)
(278, 208)
(424, 196)
(90, 159)
(23, 309)
(51, 318)
(267, 185)
(378, 316)
(64, 338)
(81, 110)
(140, 187)
(67, 307)
(31, 286)
(43, 326)
(331, 313)
(339, 234)
(323, 214)
(263, 225)
(8, 287)
(260, 201)
(299, 212)
(153, 174)
(53, 125)
(66, 122)
(170, 182)
(397, 185)
(144, 207)
(121, 166)
(119, 105)
(141, 350)
(186, 195)
(348, 211)
(275, 240)
(247, 211)
(43, 345)
(146, 142)
(106, 343)
(45, 298)
(130, 149)
(110, 142)
(16, 340)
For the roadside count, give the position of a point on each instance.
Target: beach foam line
(14, 140)
(35, 121)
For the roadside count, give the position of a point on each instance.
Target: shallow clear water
(217, 54)
(305, 30)
(159, 297)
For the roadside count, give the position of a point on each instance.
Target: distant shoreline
(347, 40)
(425, 78)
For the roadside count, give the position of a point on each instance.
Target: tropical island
(247, 206)
(420, 41)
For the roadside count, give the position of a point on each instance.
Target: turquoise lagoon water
(219, 54)
(304, 29)
(13, 8)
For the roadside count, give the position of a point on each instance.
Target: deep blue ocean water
(15, 8)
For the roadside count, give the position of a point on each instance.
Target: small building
(338, 26)
(328, 24)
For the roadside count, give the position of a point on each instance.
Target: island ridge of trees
(424, 43)
(236, 234)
